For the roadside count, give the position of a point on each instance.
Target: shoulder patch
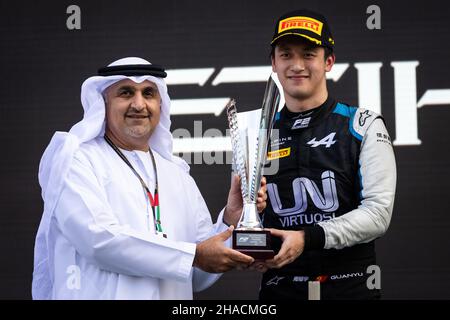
(362, 120)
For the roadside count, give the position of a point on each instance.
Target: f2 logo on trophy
(249, 140)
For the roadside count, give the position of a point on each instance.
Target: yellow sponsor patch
(306, 23)
(286, 152)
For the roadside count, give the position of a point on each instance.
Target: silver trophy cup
(249, 139)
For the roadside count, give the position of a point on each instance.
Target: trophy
(249, 141)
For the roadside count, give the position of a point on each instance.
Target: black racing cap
(305, 23)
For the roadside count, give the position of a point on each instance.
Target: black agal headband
(133, 70)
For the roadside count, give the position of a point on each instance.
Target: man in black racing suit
(334, 190)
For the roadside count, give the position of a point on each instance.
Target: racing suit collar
(306, 119)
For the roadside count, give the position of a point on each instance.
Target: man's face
(301, 68)
(132, 110)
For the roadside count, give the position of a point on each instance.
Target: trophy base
(259, 255)
(254, 243)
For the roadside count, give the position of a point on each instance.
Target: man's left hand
(291, 249)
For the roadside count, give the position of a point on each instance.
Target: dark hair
(328, 52)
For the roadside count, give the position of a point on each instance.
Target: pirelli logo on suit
(277, 154)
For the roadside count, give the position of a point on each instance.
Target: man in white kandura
(123, 219)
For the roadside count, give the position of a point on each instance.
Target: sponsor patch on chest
(277, 154)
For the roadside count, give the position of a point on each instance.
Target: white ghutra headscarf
(58, 156)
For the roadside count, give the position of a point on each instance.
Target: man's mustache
(137, 114)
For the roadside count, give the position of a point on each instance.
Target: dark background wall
(43, 64)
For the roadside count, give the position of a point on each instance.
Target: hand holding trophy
(249, 142)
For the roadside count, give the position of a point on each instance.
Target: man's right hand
(213, 256)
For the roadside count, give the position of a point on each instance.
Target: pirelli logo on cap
(306, 23)
(286, 152)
